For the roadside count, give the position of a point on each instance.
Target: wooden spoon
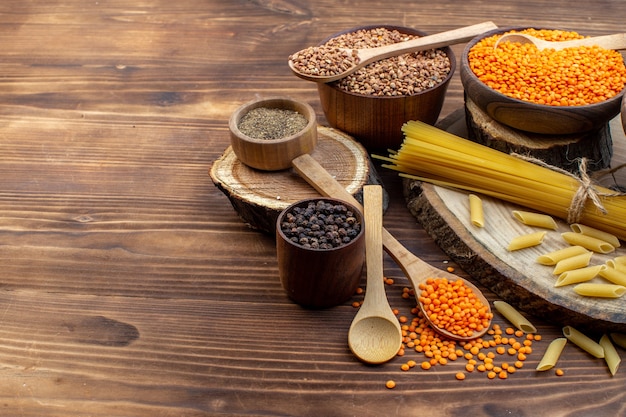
(415, 269)
(369, 55)
(616, 41)
(375, 335)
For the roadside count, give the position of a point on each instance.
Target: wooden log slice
(515, 277)
(258, 196)
(557, 150)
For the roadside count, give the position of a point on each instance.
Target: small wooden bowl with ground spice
(549, 92)
(267, 134)
(373, 103)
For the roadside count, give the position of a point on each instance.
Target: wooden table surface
(129, 286)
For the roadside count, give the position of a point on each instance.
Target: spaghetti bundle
(432, 155)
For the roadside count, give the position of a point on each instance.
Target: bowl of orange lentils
(552, 92)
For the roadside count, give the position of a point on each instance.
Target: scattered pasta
(595, 233)
(619, 339)
(514, 317)
(588, 242)
(535, 219)
(611, 357)
(577, 276)
(552, 354)
(583, 342)
(589, 289)
(477, 215)
(575, 262)
(526, 241)
(614, 275)
(552, 258)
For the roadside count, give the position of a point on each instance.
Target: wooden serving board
(516, 277)
(258, 196)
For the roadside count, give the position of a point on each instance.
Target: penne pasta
(575, 262)
(619, 339)
(552, 258)
(589, 289)
(614, 275)
(535, 219)
(526, 241)
(577, 276)
(611, 357)
(514, 317)
(598, 234)
(616, 265)
(588, 242)
(477, 215)
(552, 354)
(620, 260)
(583, 342)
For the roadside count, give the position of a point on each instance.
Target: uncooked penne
(619, 339)
(588, 242)
(514, 317)
(575, 262)
(616, 265)
(589, 289)
(611, 357)
(598, 234)
(576, 276)
(535, 219)
(614, 275)
(477, 215)
(621, 260)
(552, 258)
(552, 354)
(583, 341)
(526, 241)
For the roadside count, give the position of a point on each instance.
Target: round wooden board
(258, 196)
(516, 277)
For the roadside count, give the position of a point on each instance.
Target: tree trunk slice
(516, 277)
(258, 196)
(560, 151)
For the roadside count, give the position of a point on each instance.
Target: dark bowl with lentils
(374, 102)
(320, 247)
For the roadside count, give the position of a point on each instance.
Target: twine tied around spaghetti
(587, 188)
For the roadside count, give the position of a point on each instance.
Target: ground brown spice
(271, 123)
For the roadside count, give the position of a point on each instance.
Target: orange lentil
(491, 375)
(503, 374)
(469, 367)
(537, 337)
(460, 376)
(450, 269)
(481, 368)
(511, 351)
(454, 307)
(388, 281)
(559, 372)
(519, 333)
(425, 365)
(405, 367)
(509, 330)
(518, 364)
(570, 77)
(411, 363)
(391, 384)
(356, 304)
(521, 357)
(500, 350)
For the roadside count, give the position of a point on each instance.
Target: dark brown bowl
(320, 278)
(624, 112)
(374, 121)
(532, 117)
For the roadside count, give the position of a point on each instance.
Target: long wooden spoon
(415, 269)
(616, 41)
(366, 56)
(375, 335)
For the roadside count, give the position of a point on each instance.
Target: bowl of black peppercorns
(320, 245)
